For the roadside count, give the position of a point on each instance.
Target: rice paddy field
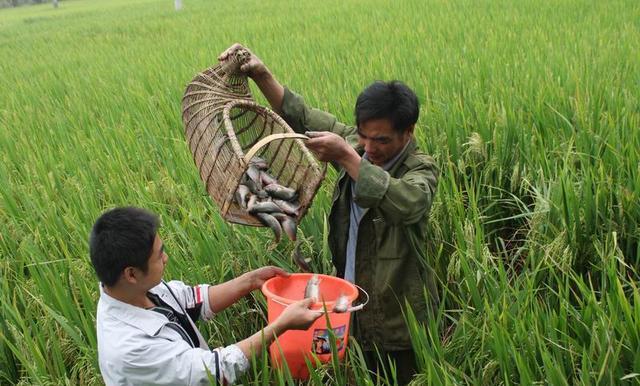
(531, 109)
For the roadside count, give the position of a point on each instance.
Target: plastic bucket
(294, 346)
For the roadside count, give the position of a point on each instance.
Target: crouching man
(145, 326)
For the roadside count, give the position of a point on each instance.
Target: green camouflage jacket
(390, 262)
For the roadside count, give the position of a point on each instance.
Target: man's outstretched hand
(327, 146)
(297, 316)
(330, 147)
(254, 68)
(257, 277)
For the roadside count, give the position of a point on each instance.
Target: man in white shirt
(145, 326)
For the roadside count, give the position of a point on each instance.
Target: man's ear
(409, 131)
(129, 275)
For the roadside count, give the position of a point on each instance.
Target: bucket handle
(361, 305)
(350, 309)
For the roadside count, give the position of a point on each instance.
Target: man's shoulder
(116, 338)
(114, 318)
(419, 159)
(117, 320)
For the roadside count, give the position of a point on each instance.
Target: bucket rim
(329, 304)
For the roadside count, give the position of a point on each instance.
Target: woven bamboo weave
(225, 127)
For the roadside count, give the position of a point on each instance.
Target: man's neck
(129, 295)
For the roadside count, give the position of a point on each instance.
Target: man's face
(380, 141)
(157, 262)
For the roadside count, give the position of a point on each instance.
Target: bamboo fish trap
(225, 128)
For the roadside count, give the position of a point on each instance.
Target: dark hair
(392, 100)
(120, 238)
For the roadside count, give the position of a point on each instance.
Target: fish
(253, 199)
(241, 196)
(342, 304)
(289, 208)
(264, 207)
(302, 262)
(271, 222)
(259, 163)
(312, 290)
(255, 188)
(280, 192)
(266, 196)
(267, 179)
(253, 173)
(289, 225)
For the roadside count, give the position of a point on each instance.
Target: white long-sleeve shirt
(137, 346)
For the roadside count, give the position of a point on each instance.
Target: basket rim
(234, 140)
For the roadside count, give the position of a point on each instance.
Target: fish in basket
(253, 165)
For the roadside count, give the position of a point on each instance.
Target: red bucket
(294, 346)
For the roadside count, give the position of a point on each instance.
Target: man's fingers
(317, 145)
(308, 302)
(315, 134)
(248, 67)
(313, 142)
(316, 140)
(281, 272)
(224, 54)
(234, 47)
(229, 50)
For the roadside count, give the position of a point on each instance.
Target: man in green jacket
(380, 205)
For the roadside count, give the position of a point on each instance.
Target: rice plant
(531, 108)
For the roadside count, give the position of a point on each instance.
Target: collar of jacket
(146, 320)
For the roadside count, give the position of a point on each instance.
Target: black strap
(177, 328)
(180, 321)
(174, 297)
(215, 354)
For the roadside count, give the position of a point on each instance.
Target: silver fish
(254, 174)
(302, 262)
(267, 179)
(264, 207)
(289, 225)
(272, 223)
(253, 199)
(312, 290)
(342, 304)
(288, 207)
(255, 188)
(280, 192)
(259, 163)
(242, 194)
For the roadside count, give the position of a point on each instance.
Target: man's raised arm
(256, 70)
(289, 105)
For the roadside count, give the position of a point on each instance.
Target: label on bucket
(321, 344)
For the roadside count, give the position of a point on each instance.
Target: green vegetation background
(531, 109)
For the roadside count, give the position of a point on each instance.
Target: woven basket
(225, 128)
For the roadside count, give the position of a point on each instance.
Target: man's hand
(256, 278)
(297, 316)
(225, 294)
(327, 146)
(330, 147)
(254, 68)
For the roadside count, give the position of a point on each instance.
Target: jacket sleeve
(194, 300)
(402, 200)
(302, 118)
(164, 361)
